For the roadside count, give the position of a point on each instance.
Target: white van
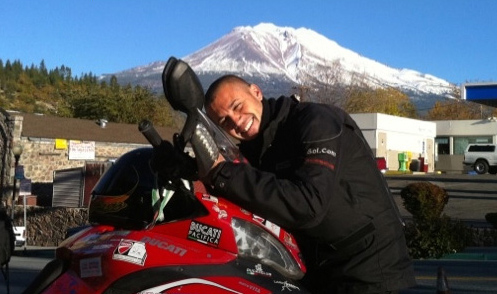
(482, 157)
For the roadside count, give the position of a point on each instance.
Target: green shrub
(424, 200)
(437, 238)
(431, 234)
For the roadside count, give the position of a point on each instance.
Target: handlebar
(170, 162)
(147, 129)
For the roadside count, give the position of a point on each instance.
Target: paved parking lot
(470, 196)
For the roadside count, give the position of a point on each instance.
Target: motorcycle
(156, 229)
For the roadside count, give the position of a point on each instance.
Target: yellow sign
(60, 144)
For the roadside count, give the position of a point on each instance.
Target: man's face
(237, 108)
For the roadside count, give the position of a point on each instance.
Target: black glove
(172, 164)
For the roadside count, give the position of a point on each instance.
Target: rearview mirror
(182, 86)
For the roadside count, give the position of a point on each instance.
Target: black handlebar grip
(147, 129)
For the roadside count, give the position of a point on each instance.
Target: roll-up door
(68, 187)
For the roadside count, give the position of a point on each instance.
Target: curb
(46, 252)
(474, 253)
(470, 256)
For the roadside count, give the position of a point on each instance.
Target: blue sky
(455, 40)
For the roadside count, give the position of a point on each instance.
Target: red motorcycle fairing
(197, 255)
(233, 277)
(238, 276)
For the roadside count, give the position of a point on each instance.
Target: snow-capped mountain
(279, 58)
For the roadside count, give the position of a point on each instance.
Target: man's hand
(170, 164)
(219, 160)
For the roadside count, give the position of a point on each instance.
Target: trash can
(402, 156)
(414, 165)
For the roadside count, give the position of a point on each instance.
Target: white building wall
(371, 137)
(480, 127)
(402, 135)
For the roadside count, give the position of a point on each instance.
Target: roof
(52, 127)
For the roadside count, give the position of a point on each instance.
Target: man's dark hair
(226, 79)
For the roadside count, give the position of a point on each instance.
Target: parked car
(20, 233)
(482, 158)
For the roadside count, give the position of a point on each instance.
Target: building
(388, 136)
(453, 136)
(53, 146)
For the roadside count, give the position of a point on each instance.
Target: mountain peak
(267, 49)
(272, 55)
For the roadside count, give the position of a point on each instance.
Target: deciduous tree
(458, 109)
(388, 101)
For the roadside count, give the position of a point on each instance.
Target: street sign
(19, 172)
(25, 187)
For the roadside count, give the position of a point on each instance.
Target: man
(312, 172)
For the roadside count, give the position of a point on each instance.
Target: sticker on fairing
(273, 228)
(204, 233)
(90, 267)
(258, 218)
(285, 285)
(289, 241)
(211, 198)
(258, 271)
(164, 245)
(130, 251)
(221, 213)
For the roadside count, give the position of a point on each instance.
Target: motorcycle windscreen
(123, 196)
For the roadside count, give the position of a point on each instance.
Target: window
(481, 148)
(443, 145)
(460, 143)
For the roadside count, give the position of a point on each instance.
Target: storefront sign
(79, 150)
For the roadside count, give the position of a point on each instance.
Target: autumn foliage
(57, 92)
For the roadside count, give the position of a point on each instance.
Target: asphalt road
(24, 266)
(466, 276)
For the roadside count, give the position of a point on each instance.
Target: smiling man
(237, 108)
(312, 172)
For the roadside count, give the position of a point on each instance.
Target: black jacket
(312, 172)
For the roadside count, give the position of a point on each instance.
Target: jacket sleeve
(301, 200)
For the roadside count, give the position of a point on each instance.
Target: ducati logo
(130, 251)
(204, 233)
(124, 246)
